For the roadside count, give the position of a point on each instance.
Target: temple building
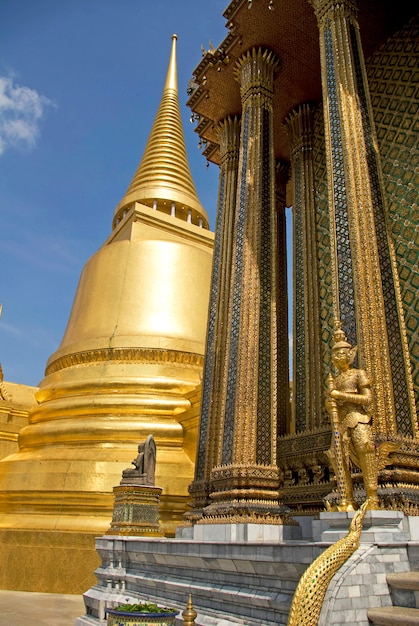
(307, 106)
(129, 365)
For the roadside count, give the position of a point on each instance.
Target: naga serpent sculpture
(308, 597)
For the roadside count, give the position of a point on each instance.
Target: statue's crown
(339, 337)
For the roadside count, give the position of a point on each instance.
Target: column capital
(332, 9)
(228, 131)
(255, 72)
(300, 127)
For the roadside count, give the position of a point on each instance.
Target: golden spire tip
(163, 174)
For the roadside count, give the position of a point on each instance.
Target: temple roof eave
(291, 32)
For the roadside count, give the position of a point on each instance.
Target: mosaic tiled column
(216, 359)
(365, 285)
(307, 378)
(282, 172)
(244, 482)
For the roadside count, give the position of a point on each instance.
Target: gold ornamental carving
(141, 355)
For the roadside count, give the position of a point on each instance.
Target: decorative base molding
(136, 511)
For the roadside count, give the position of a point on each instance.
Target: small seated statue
(138, 462)
(144, 464)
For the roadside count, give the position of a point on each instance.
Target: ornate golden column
(244, 481)
(365, 283)
(282, 171)
(214, 378)
(307, 377)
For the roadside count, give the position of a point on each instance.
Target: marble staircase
(404, 592)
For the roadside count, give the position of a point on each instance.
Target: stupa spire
(163, 179)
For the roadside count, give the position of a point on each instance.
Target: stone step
(394, 616)
(404, 589)
(404, 580)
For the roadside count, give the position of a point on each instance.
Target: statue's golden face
(342, 358)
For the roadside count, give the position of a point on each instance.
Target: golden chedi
(129, 365)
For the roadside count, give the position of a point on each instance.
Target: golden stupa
(129, 365)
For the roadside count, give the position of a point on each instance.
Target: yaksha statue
(348, 403)
(144, 464)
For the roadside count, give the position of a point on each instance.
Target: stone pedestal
(136, 511)
(378, 526)
(237, 533)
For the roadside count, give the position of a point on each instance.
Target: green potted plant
(141, 614)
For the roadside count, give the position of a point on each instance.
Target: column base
(378, 526)
(242, 532)
(233, 533)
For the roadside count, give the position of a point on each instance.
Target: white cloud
(10, 329)
(21, 110)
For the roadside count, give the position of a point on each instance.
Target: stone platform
(230, 583)
(252, 582)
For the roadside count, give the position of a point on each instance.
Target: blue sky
(80, 83)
